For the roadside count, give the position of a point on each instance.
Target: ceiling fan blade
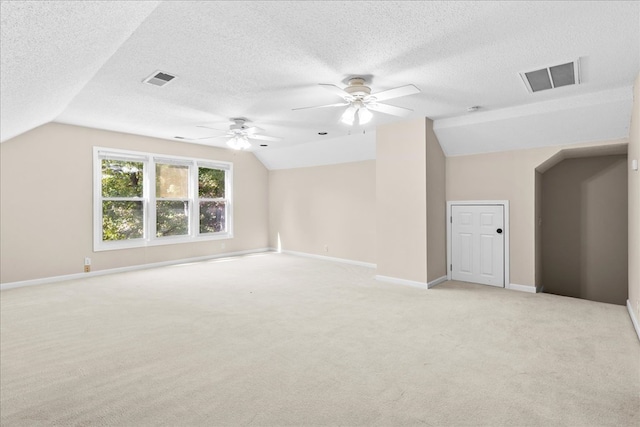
(395, 93)
(264, 137)
(208, 127)
(253, 130)
(390, 109)
(334, 89)
(340, 104)
(209, 137)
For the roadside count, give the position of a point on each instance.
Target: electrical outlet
(87, 268)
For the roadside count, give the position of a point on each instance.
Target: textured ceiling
(83, 63)
(50, 50)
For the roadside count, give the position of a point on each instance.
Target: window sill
(157, 241)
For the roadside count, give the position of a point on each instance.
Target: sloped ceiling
(83, 63)
(51, 50)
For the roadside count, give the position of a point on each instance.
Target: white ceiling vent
(159, 78)
(552, 77)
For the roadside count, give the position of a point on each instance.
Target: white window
(143, 199)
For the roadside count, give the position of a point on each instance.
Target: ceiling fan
(239, 134)
(360, 101)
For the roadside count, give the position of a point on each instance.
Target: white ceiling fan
(239, 134)
(360, 101)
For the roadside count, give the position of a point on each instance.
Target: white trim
(328, 258)
(436, 282)
(54, 279)
(507, 233)
(521, 288)
(404, 282)
(634, 320)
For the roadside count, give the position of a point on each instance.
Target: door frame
(505, 206)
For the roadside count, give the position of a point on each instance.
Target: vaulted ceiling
(84, 62)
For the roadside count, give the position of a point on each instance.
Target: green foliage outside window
(210, 183)
(172, 218)
(121, 178)
(122, 219)
(123, 213)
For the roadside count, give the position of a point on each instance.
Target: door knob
(499, 230)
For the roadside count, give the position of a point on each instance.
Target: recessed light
(322, 133)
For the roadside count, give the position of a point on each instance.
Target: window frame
(149, 199)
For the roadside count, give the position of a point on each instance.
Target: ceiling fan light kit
(239, 142)
(357, 108)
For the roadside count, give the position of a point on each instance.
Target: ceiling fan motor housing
(238, 125)
(357, 88)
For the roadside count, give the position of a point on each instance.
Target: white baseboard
(521, 288)
(328, 258)
(634, 320)
(54, 279)
(439, 280)
(404, 282)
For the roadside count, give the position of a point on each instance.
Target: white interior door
(477, 244)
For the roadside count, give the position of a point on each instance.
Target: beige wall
(634, 204)
(46, 202)
(436, 207)
(325, 205)
(584, 231)
(401, 200)
(410, 186)
(508, 175)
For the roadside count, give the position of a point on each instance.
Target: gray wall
(584, 229)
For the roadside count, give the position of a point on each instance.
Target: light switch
(634, 164)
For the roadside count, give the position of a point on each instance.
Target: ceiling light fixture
(356, 109)
(364, 115)
(360, 102)
(349, 115)
(239, 142)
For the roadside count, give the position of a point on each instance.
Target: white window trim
(149, 160)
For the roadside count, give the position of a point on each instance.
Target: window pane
(210, 183)
(212, 217)
(122, 220)
(172, 218)
(121, 178)
(172, 181)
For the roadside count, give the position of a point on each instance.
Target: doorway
(584, 228)
(478, 242)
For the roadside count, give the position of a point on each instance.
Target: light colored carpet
(275, 340)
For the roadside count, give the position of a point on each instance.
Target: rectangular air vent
(552, 77)
(159, 78)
